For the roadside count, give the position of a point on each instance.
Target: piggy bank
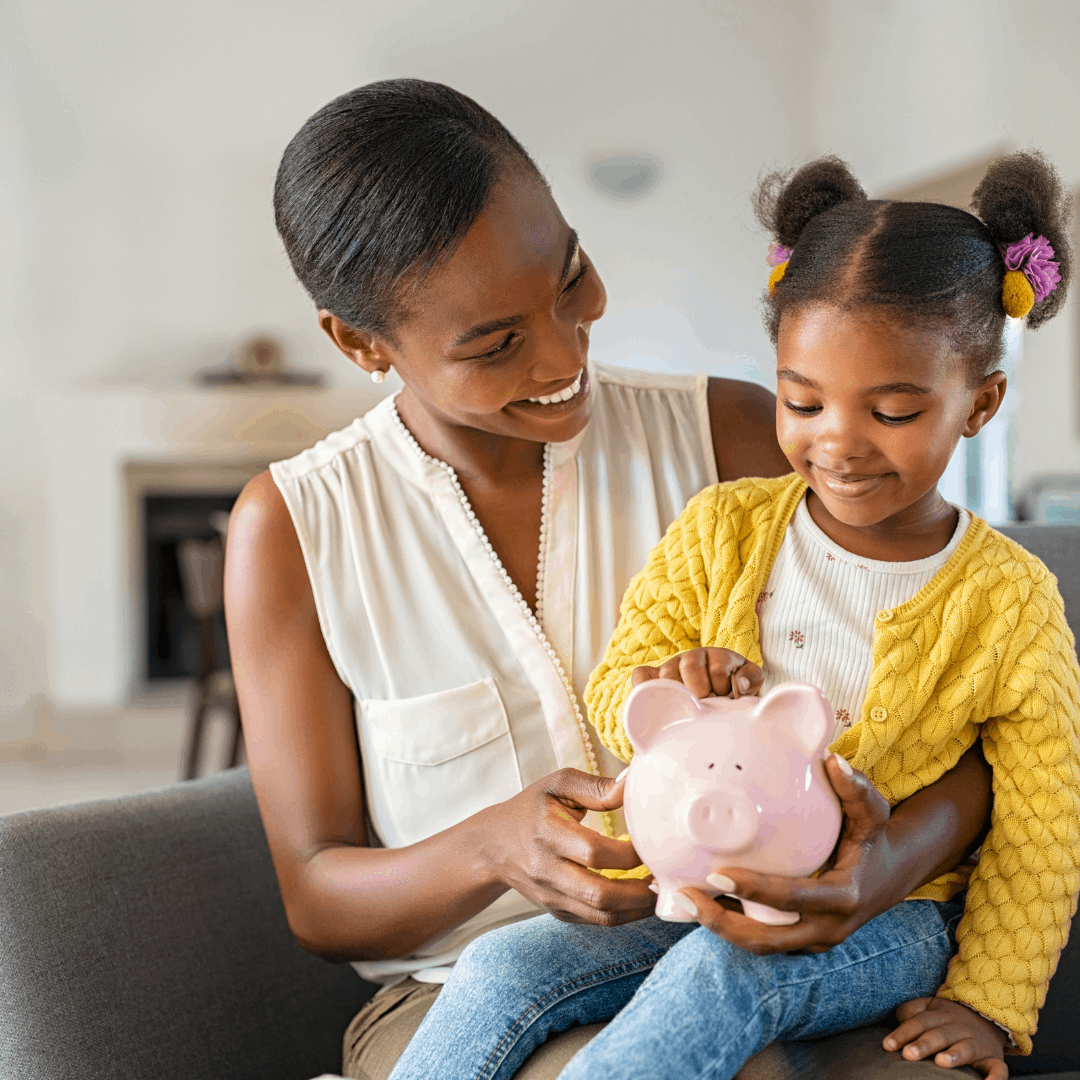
(720, 782)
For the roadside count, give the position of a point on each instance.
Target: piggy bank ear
(653, 706)
(803, 710)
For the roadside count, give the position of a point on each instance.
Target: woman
(415, 604)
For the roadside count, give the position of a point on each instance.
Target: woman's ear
(361, 348)
(986, 403)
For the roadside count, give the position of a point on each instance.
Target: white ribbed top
(818, 608)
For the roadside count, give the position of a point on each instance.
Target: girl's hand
(535, 843)
(953, 1033)
(859, 885)
(707, 672)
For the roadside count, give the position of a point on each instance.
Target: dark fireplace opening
(174, 638)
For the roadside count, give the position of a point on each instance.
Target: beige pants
(380, 1031)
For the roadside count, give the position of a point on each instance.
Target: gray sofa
(144, 939)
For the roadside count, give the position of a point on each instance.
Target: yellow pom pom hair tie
(777, 258)
(1032, 274)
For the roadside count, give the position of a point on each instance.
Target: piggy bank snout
(723, 819)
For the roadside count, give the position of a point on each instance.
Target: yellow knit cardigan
(983, 648)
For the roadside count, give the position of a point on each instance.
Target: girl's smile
(869, 413)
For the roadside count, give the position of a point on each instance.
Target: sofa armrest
(145, 937)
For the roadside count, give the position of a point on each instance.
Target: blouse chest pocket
(432, 761)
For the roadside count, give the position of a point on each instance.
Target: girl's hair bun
(1022, 195)
(785, 203)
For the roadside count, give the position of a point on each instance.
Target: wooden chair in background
(202, 569)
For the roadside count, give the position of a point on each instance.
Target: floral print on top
(818, 608)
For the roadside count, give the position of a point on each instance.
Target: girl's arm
(345, 900)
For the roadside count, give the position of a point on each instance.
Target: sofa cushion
(145, 937)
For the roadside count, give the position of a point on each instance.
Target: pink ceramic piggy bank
(717, 782)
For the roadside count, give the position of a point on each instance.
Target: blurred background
(138, 144)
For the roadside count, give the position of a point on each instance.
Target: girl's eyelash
(809, 410)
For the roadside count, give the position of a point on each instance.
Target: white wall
(143, 137)
(138, 142)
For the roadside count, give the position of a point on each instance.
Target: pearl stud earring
(378, 375)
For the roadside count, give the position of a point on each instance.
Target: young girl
(925, 628)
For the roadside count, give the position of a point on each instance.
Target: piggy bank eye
(739, 767)
(711, 764)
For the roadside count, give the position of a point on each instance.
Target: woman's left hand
(861, 883)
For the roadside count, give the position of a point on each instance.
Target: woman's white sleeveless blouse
(458, 701)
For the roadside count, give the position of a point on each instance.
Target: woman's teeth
(563, 395)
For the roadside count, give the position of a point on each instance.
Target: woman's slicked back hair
(378, 186)
(924, 263)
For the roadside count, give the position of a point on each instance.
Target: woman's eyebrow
(494, 325)
(483, 329)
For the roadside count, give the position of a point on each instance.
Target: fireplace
(170, 504)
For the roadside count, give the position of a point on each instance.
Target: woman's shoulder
(329, 449)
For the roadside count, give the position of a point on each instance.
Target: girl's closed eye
(887, 419)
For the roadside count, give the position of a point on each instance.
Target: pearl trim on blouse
(531, 616)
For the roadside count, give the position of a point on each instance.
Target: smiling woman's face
(502, 322)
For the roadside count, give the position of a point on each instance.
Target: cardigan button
(885, 616)
(878, 713)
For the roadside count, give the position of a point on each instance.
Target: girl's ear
(986, 403)
(362, 349)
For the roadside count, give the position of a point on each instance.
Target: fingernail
(845, 767)
(653, 887)
(622, 775)
(743, 683)
(686, 904)
(721, 882)
(890, 1044)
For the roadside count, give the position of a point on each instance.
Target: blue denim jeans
(685, 1003)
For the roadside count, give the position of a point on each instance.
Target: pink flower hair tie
(777, 258)
(1032, 274)
(779, 253)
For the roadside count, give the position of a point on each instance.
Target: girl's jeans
(686, 1004)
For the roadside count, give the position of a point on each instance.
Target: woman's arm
(743, 420)
(343, 899)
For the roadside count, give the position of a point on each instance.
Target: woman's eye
(802, 410)
(498, 350)
(577, 279)
(897, 419)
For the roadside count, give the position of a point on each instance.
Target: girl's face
(504, 321)
(869, 412)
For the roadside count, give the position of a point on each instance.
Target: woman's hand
(859, 885)
(707, 672)
(537, 845)
(953, 1033)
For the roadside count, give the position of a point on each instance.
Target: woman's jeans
(686, 1004)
